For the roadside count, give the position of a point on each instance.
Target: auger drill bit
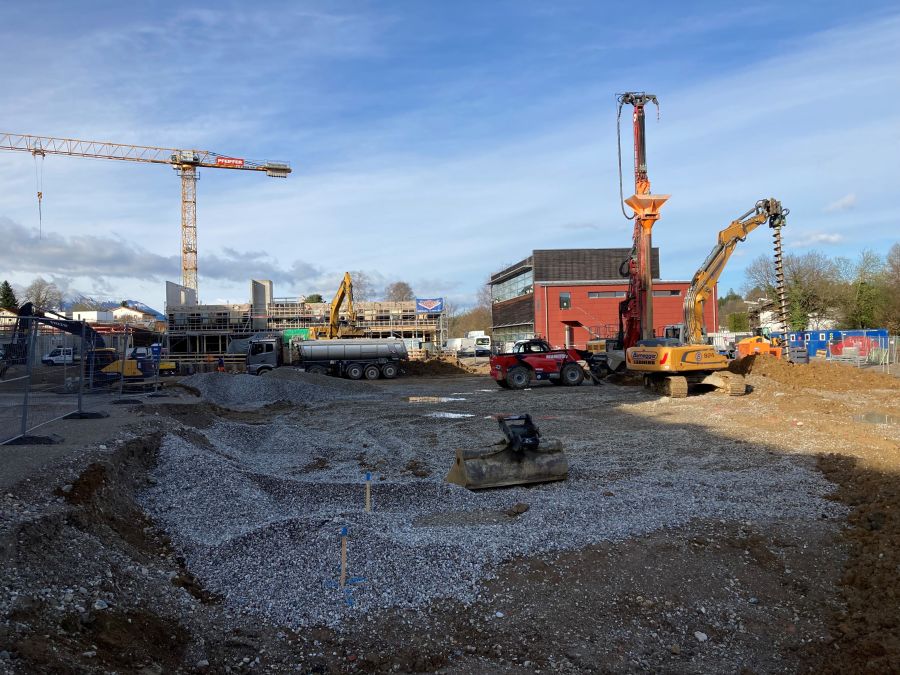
(779, 278)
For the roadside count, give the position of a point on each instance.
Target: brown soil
(815, 375)
(417, 468)
(868, 629)
(431, 367)
(765, 597)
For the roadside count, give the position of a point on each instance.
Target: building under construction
(198, 332)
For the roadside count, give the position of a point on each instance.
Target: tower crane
(185, 162)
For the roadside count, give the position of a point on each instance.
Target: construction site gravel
(706, 534)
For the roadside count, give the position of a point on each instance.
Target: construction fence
(52, 369)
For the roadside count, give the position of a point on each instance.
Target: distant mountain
(106, 305)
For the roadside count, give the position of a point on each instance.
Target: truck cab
(263, 355)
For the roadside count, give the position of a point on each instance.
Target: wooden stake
(368, 492)
(343, 556)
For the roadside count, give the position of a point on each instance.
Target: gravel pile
(257, 511)
(283, 384)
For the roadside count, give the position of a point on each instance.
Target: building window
(665, 294)
(522, 284)
(565, 300)
(593, 295)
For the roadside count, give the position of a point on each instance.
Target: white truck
(476, 343)
(354, 358)
(59, 356)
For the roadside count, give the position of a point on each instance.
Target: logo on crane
(230, 162)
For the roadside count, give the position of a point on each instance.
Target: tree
(730, 305)
(731, 296)
(863, 295)
(812, 285)
(8, 298)
(362, 286)
(889, 283)
(477, 318)
(43, 294)
(399, 291)
(314, 297)
(738, 322)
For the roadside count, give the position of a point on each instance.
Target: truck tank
(350, 350)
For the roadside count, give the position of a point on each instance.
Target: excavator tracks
(675, 387)
(735, 385)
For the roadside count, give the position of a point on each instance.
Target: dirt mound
(434, 367)
(816, 375)
(868, 630)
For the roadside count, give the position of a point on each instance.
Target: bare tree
(483, 297)
(399, 291)
(760, 275)
(889, 315)
(43, 294)
(362, 286)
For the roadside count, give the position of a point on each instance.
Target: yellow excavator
(335, 328)
(671, 364)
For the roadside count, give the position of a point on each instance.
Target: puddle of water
(448, 415)
(876, 418)
(432, 399)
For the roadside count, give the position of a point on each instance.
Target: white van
(61, 356)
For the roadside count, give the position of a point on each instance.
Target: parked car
(61, 356)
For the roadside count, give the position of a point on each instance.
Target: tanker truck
(351, 358)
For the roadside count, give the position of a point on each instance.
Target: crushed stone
(244, 392)
(259, 519)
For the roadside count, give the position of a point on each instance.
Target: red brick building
(569, 296)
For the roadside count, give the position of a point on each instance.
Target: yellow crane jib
(185, 162)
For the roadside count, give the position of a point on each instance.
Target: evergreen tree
(8, 298)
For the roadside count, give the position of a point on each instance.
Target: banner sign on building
(429, 305)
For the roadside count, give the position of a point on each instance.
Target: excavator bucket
(524, 457)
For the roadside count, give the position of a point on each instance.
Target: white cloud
(845, 203)
(809, 239)
(442, 185)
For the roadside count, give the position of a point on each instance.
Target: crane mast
(636, 311)
(185, 162)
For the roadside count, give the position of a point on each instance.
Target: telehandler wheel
(518, 377)
(354, 371)
(571, 375)
(372, 372)
(390, 371)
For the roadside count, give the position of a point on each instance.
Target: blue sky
(435, 142)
